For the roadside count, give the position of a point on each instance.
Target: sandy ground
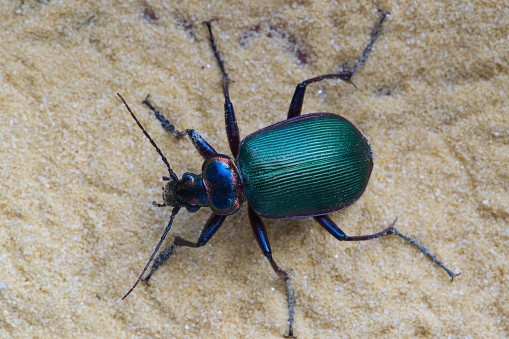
(78, 177)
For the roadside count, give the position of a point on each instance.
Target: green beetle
(306, 166)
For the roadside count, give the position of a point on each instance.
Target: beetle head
(187, 192)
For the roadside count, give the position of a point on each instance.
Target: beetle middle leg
(300, 91)
(232, 130)
(263, 241)
(257, 225)
(333, 229)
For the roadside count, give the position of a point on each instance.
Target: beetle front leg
(232, 129)
(300, 91)
(263, 241)
(211, 226)
(199, 143)
(333, 229)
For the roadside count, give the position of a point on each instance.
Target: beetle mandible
(305, 166)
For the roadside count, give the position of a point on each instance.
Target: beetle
(305, 166)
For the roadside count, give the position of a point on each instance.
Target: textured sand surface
(78, 177)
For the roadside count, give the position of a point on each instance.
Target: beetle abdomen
(309, 165)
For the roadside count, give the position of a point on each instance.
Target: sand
(78, 177)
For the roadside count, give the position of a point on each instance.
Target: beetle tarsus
(217, 54)
(232, 129)
(167, 125)
(391, 230)
(291, 306)
(158, 261)
(344, 74)
(174, 212)
(199, 143)
(426, 251)
(368, 48)
(289, 295)
(156, 204)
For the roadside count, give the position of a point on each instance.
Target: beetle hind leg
(263, 241)
(300, 91)
(331, 227)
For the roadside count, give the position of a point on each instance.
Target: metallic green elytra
(309, 165)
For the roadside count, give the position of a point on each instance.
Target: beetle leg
(298, 96)
(232, 130)
(211, 226)
(263, 241)
(333, 229)
(199, 143)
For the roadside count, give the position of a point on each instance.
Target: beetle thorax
(223, 185)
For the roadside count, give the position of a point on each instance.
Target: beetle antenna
(173, 214)
(172, 174)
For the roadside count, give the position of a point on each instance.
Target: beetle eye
(188, 176)
(192, 208)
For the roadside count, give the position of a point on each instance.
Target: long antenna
(173, 214)
(172, 174)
